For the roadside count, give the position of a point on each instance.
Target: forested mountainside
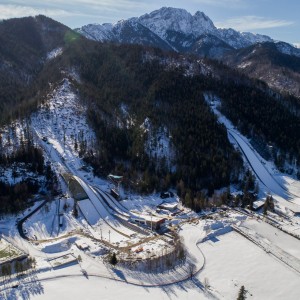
(133, 93)
(280, 69)
(125, 85)
(26, 45)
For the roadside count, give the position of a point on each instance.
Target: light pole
(109, 236)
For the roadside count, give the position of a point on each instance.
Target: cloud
(82, 5)
(102, 9)
(15, 11)
(218, 2)
(252, 23)
(231, 4)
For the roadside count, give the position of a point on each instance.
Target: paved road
(21, 222)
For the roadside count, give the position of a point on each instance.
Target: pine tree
(75, 211)
(113, 259)
(266, 206)
(242, 293)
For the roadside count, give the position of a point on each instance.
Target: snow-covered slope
(179, 20)
(128, 31)
(241, 39)
(174, 28)
(97, 32)
(288, 49)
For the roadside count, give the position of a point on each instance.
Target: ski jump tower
(116, 181)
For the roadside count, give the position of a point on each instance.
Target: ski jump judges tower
(116, 181)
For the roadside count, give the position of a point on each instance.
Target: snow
(223, 257)
(178, 20)
(245, 65)
(78, 287)
(259, 169)
(211, 245)
(54, 53)
(168, 20)
(45, 223)
(8, 251)
(284, 190)
(58, 247)
(159, 144)
(89, 211)
(274, 236)
(63, 260)
(63, 117)
(288, 49)
(103, 212)
(142, 205)
(233, 261)
(96, 31)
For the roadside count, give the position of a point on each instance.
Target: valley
(147, 159)
(104, 225)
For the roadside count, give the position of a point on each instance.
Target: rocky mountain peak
(179, 20)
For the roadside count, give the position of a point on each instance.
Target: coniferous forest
(155, 85)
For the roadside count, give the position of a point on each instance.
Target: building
(81, 245)
(165, 195)
(170, 206)
(147, 220)
(258, 204)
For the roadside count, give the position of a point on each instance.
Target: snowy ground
(273, 236)
(63, 123)
(80, 287)
(233, 261)
(226, 261)
(45, 223)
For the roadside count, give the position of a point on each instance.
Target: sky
(277, 18)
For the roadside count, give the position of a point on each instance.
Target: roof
(148, 218)
(115, 177)
(168, 205)
(258, 203)
(81, 244)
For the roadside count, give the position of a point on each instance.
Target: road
(21, 222)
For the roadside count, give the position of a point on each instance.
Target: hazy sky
(279, 19)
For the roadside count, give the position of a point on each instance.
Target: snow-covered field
(233, 261)
(273, 236)
(94, 288)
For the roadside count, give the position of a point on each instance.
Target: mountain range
(174, 29)
(136, 95)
